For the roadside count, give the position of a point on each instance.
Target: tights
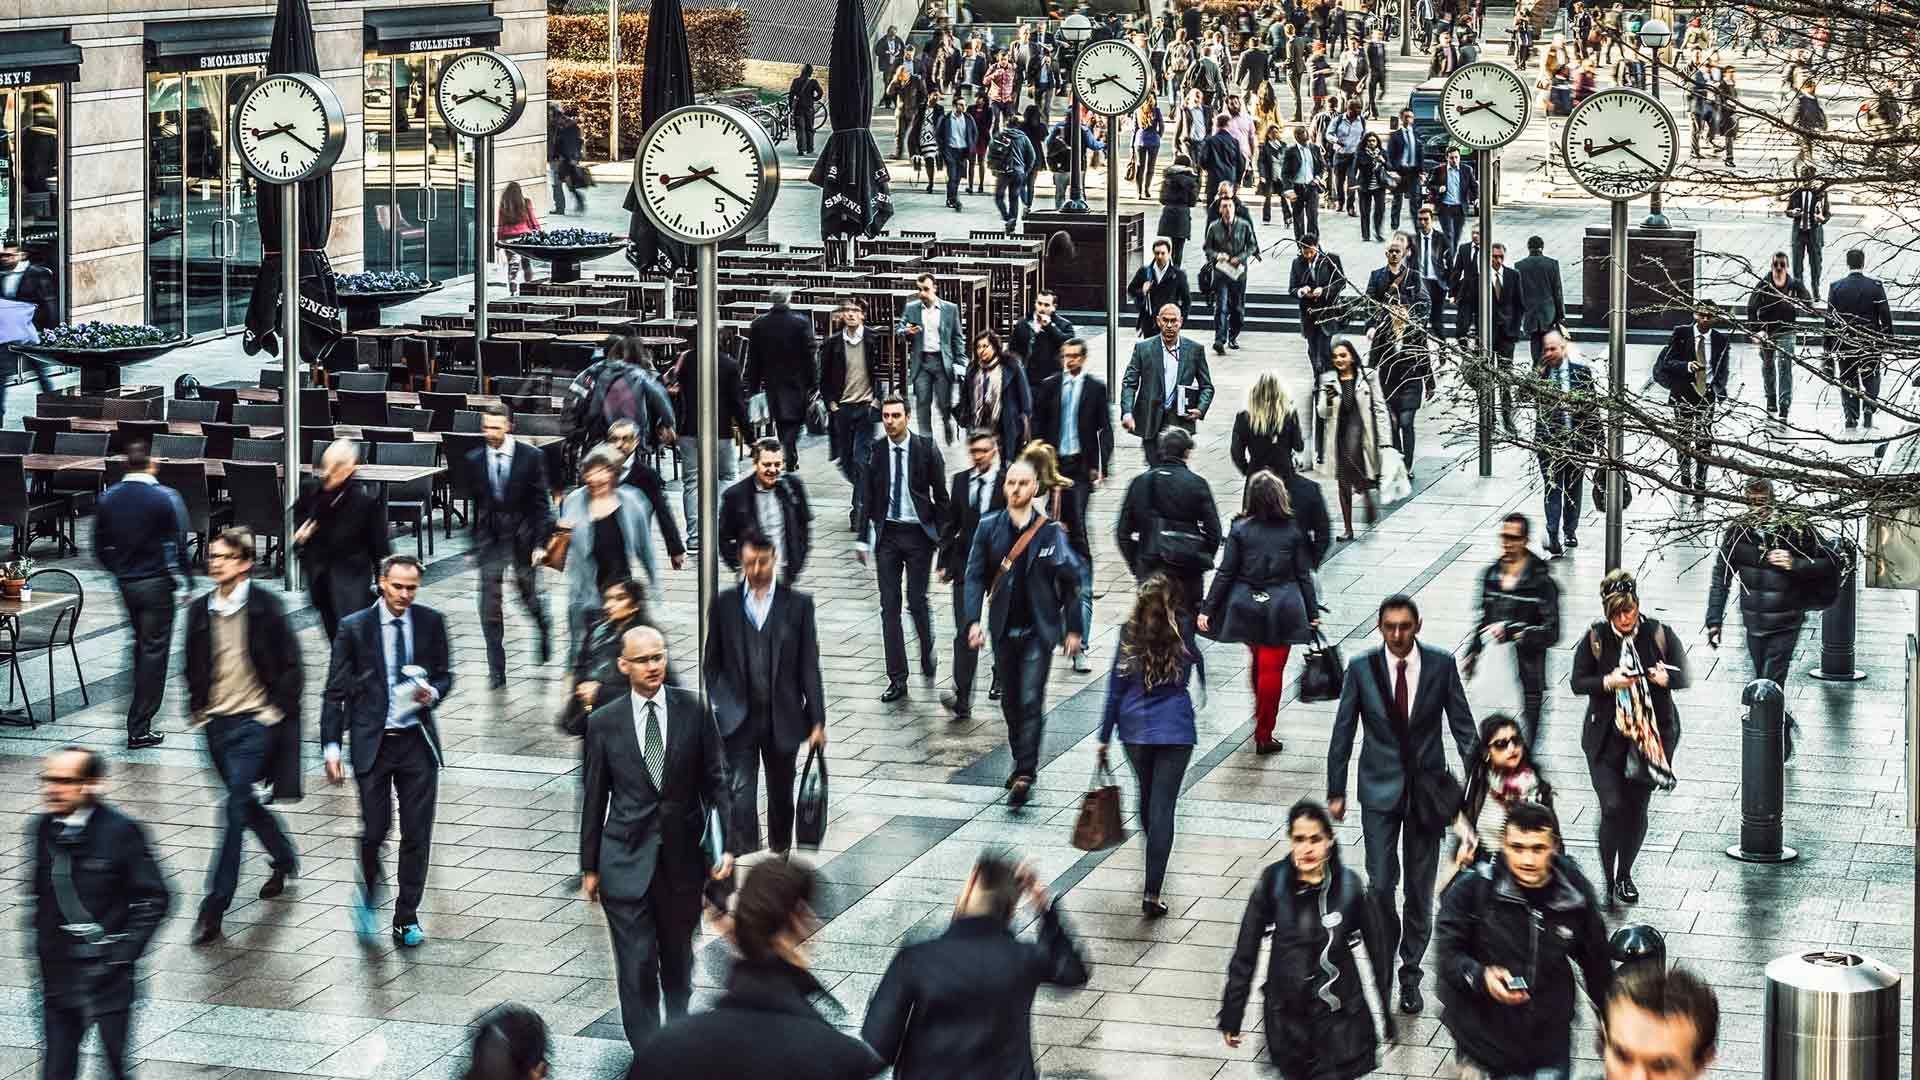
(1623, 818)
(1269, 670)
(1347, 488)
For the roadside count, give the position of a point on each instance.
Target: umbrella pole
(707, 407)
(290, 370)
(1116, 259)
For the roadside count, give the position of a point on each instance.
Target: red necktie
(1400, 689)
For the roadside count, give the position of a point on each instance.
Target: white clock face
(1111, 77)
(481, 93)
(290, 128)
(706, 173)
(1620, 143)
(1484, 105)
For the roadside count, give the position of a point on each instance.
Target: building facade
(119, 172)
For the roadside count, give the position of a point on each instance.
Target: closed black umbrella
(666, 84)
(292, 52)
(850, 173)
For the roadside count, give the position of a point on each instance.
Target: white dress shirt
(758, 605)
(1413, 676)
(903, 464)
(400, 707)
(982, 490)
(230, 603)
(930, 327)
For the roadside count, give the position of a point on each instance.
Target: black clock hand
(1617, 144)
(269, 133)
(736, 198)
(1629, 149)
(291, 134)
(1501, 115)
(1483, 106)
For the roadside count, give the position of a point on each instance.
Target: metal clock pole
(1116, 259)
(1483, 163)
(290, 372)
(1616, 381)
(707, 408)
(482, 246)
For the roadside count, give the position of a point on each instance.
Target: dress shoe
(1264, 747)
(951, 703)
(276, 882)
(1411, 1002)
(1553, 545)
(206, 930)
(1153, 909)
(1234, 344)
(1625, 890)
(896, 689)
(409, 936)
(496, 682)
(142, 742)
(929, 667)
(1219, 348)
(993, 691)
(1572, 541)
(1019, 792)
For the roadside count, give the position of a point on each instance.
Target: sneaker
(364, 920)
(409, 936)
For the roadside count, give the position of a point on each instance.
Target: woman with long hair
(1263, 596)
(1318, 1024)
(1502, 773)
(1150, 703)
(510, 1042)
(1372, 178)
(1266, 434)
(908, 93)
(516, 219)
(1406, 375)
(1269, 159)
(611, 538)
(1348, 407)
(982, 114)
(1148, 127)
(1179, 193)
(596, 657)
(1628, 666)
(1051, 493)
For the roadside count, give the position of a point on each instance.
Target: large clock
(1112, 77)
(1620, 143)
(480, 94)
(706, 173)
(291, 128)
(1484, 105)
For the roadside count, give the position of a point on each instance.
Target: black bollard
(1836, 625)
(1763, 769)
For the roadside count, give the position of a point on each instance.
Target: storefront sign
(439, 44)
(431, 28)
(233, 60)
(37, 58)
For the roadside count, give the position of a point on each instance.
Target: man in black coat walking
(1038, 337)
(1220, 155)
(1861, 326)
(342, 537)
(1776, 565)
(1170, 498)
(1544, 307)
(512, 517)
(1156, 285)
(977, 491)
(98, 897)
(960, 1006)
(773, 503)
(780, 357)
(1694, 368)
(905, 503)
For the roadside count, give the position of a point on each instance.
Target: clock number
(719, 205)
(283, 157)
(1467, 92)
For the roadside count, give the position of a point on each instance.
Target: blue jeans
(1009, 193)
(239, 748)
(1229, 308)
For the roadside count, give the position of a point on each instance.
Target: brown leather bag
(1098, 826)
(555, 557)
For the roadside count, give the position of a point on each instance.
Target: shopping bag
(810, 806)
(1496, 679)
(1395, 484)
(1322, 673)
(1098, 826)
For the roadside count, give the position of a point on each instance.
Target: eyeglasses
(1505, 741)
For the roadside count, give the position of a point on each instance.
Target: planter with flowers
(364, 294)
(565, 249)
(13, 579)
(100, 349)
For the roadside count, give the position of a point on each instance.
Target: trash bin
(1831, 1016)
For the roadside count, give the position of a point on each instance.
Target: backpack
(1059, 151)
(615, 392)
(1000, 150)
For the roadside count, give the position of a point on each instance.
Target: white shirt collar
(76, 820)
(232, 602)
(387, 614)
(506, 446)
(855, 337)
(141, 478)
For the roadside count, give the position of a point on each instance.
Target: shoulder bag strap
(79, 921)
(1019, 548)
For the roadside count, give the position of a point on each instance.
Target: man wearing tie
(512, 518)
(1509, 308)
(1072, 413)
(762, 661)
(655, 772)
(1464, 285)
(1807, 206)
(1432, 260)
(905, 503)
(977, 492)
(1403, 157)
(1167, 384)
(390, 667)
(1158, 284)
(1376, 72)
(1693, 368)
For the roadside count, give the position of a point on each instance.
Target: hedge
(717, 40)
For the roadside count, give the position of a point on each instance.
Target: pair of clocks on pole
(291, 127)
(1618, 144)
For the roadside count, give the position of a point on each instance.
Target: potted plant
(13, 578)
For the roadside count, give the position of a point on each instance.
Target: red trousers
(1268, 671)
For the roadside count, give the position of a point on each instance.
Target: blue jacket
(1051, 571)
(140, 530)
(1162, 716)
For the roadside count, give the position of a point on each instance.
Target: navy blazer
(525, 516)
(355, 701)
(630, 829)
(1052, 574)
(1364, 705)
(1093, 418)
(1672, 368)
(799, 703)
(925, 490)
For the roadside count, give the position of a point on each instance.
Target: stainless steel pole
(1616, 382)
(482, 247)
(1484, 164)
(613, 84)
(707, 405)
(1077, 169)
(1116, 259)
(290, 371)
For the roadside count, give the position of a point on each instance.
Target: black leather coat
(1530, 610)
(1263, 592)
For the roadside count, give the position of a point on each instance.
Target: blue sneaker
(409, 936)
(365, 921)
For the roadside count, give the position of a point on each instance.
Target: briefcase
(1098, 826)
(1322, 674)
(810, 806)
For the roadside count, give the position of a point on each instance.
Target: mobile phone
(1518, 984)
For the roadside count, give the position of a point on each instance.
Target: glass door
(166, 216)
(419, 174)
(203, 243)
(240, 205)
(204, 231)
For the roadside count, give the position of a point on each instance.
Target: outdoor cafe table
(266, 395)
(12, 610)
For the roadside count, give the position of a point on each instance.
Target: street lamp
(1654, 35)
(1075, 29)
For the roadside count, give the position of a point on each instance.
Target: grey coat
(1144, 398)
(953, 339)
(583, 593)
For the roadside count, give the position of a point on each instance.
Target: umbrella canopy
(850, 173)
(666, 84)
(292, 52)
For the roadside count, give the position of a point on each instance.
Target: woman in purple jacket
(1148, 699)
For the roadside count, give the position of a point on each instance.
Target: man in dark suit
(655, 772)
(390, 667)
(780, 355)
(1464, 286)
(1037, 338)
(97, 898)
(1509, 314)
(1862, 324)
(512, 518)
(1302, 166)
(1168, 496)
(773, 503)
(1545, 307)
(905, 504)
(1316, 281)
(1167, 384)
(1036, 609)
(732, 400)
(342, 537)
(996, 394)
(243, 686)
(1405, 161)
(1158, 284)
(1070, 412)
(1376, 71)
(1566, 429)
(977, 491)
(1809, 208)
(1693, 367)
(1396, 697)
(762, 661)
(1454, 190)
(1220, 155)
(1431, 256)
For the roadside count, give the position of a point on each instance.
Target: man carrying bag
(1169, 524)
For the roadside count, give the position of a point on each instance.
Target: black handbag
(817, 417)
(810, 806)
(1177, 544)
(1434, 800)
(1322, 674)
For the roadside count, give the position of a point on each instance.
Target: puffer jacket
(1487, 920)
(1770, 598)
(1530, 610)
(1306, 1038)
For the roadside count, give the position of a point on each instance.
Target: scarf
(986, 397)
(1634, 717)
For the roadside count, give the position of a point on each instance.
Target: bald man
(342, 536)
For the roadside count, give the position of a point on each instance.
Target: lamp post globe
(1653, 35)
(1074, 31)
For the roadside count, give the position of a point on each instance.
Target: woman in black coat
(1179, 194)
(1263, 596)
(1406, 375)
(1318, 1023)
(1266, 434)
(1628, 666)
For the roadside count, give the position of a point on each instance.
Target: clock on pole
(479, 95)
(1112, 78)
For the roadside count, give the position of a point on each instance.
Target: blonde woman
(1052, 493)
(1266, 434)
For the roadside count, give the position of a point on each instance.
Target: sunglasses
(1517, 538)
(1504, 741)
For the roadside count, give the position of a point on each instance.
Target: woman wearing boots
(1348, 408)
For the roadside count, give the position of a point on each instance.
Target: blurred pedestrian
(1656, 1020)
(1500, 773)
(516, 219)
(140, 536)
(512, 519)
(342, 536)
(563, 160)
(1520, 608)
(510, 1042)
(611, 531)
(803, 99)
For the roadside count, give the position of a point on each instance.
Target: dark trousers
(1393, 845)
(652, 956)
(1772, 654)
(853, 444)
(497, 558)
(1074, 500)
(1150, 444)
(1860, 386)
(1623, 818)
(65, 1027)
(337, 592)
(1342, 175)
(405, 767)
(1452, 217)
(150, 610)
(1401, 430)
(956, 162)
(1373, 213)
(1306, 210)
(1160, 769)
(1537, 345)
(966, 661)
(1319, 347)
(1293, 80)
(789, 433)
(803, 130)
(904, 550)
(239, 747)
(1375, 87)
(1806, 252)
(1563, 496)
(1021, 660)
(1406, 191)
(1531, 664)
(748, 749)
(1436, 312)
(1466, 316)
(1694, 426)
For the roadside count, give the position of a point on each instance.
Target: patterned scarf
(1634, 716)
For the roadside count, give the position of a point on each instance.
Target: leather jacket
(1530, 610)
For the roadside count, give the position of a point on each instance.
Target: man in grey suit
(655, 768)
(1546, 307)
(1167, 384)
(936, 346)
(1397, 695)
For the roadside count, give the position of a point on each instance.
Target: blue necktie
(899, 481)
(1069, 443)
(399, 651)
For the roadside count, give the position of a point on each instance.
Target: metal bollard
(1831, 1016)
(1763, 767)
(1836, 628)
